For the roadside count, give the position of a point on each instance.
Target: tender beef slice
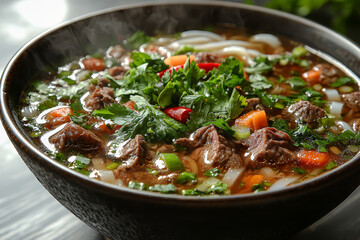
(117, 72)
(204, 57)
(253, 104)
(133, 153)
(99, 97)
(268, 147)
(215, 150)
(329, 74)
(74, 137)
(352, 100)
(304, 111)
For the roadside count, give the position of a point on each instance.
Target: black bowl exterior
(121, 213)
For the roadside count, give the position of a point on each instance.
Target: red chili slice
(181, 114)
(206, 66)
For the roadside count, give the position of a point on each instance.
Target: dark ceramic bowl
(122, 213)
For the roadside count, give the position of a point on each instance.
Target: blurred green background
(342, 16)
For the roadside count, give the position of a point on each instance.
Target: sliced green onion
(112, 165)
(241, 132)
(299, 51)
(346, 89)
(172, 161)
(185, 177)
(317, 87)
(279, 105)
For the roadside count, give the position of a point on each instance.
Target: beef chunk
(215, 150)
(352, 100)
(253, 104)
(268, 147)
(99, 97)
(132, 153)
(204, 57)
(117, 72)
(329, 74)
(74, 137)
(304, 111)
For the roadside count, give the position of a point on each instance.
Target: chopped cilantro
(213, 172)
(163, 188)
(299, 171)
(341, 81)
(259, 187)
(137, 185)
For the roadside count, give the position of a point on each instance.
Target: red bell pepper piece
(206, 66)
(181, 114)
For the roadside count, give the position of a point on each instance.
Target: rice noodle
(221, 44)
(232, 175)
(193, 40)
(283, 182)
(267, 38)
(197, 33)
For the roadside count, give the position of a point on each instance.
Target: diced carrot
(255, 119)
(178, 60)
(246, 76)
(312, 158)
(130, 104)
(94, 64)
(104, 128)
(249, 181)
(312, 76)
(57, 117)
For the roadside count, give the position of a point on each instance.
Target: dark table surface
(27, 210)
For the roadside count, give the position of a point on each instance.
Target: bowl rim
(11, 127)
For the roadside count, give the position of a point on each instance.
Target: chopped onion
(346, 89)
(283, 182)
(269, 39)
(336, 108)
(267, 172)
(344, 125)
(190, 164)
(83, 75)
(107, 176)
(332, 94)
(205, 185)
(232, 175)
(196, 33)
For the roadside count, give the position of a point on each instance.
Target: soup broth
(197, 113)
